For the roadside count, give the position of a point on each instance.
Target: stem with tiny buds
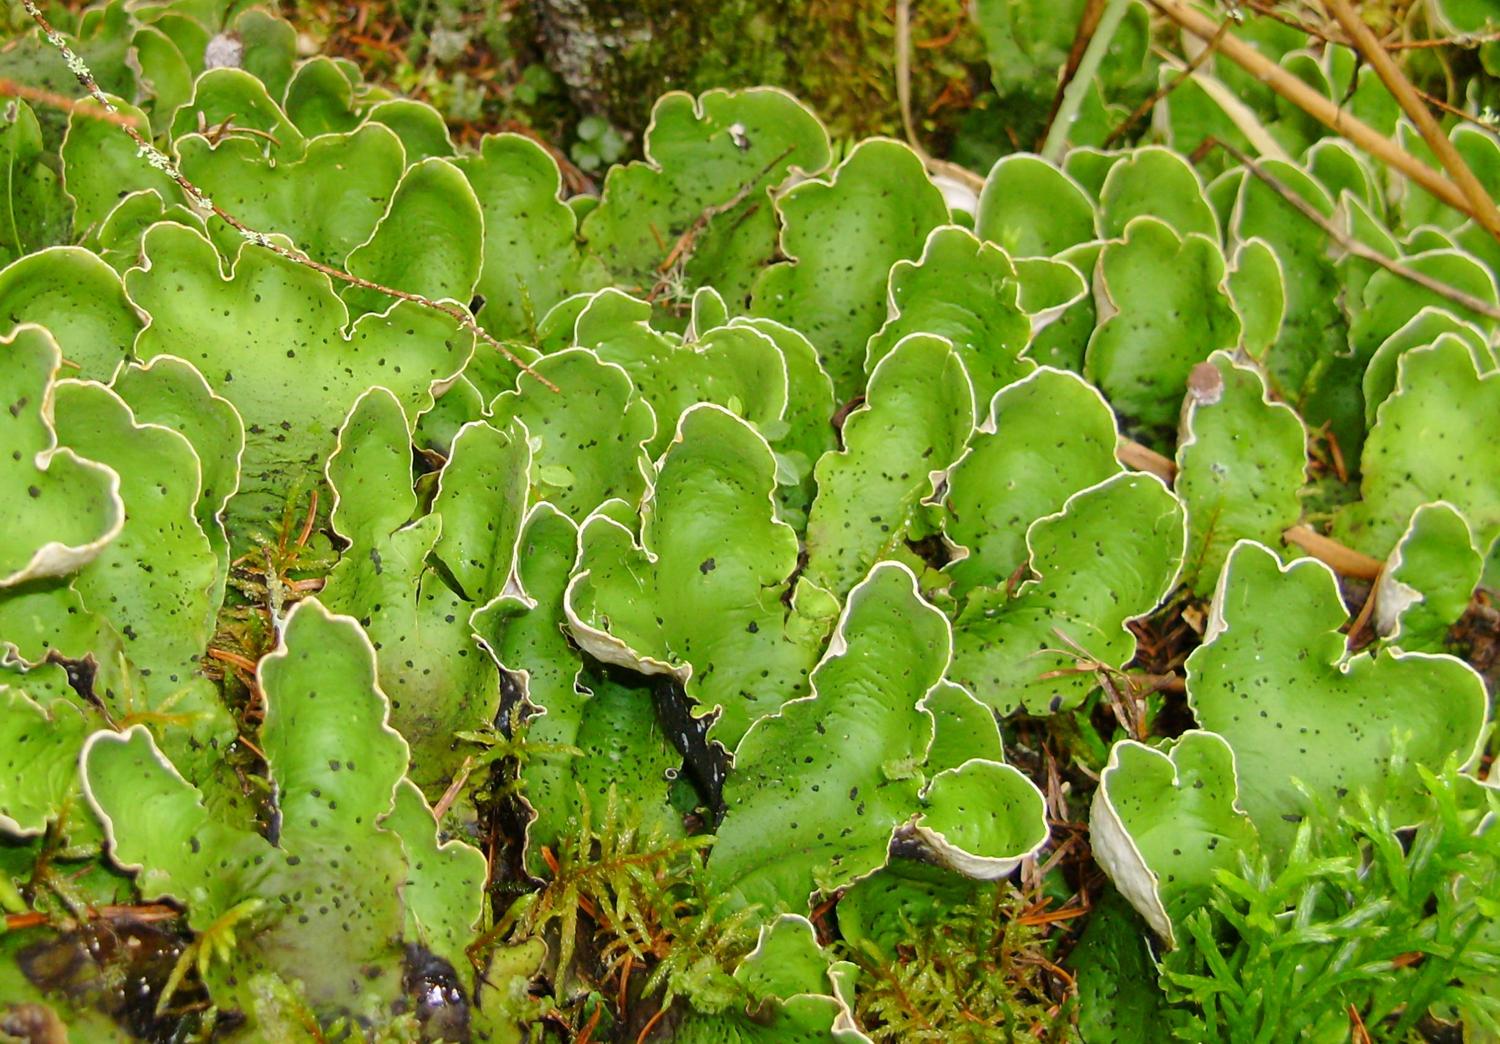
(146, 150)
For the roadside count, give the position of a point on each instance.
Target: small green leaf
(433, 205)
(1064, 320)
(842, 236)
(523, 629)
(335, 763)
(328, 201)
(967, 291)
(792, 995)
(809, 407)
(61, 511)
(700, 597)
(35, 211)
(1162, 824)
(1428, 580)
(725, 363)
(1165, 309)
(1241, 463)
(711, 160)
(917, 415)
(1159, 183)
(1273, 678)
(1109, 556)
(439, 679)
(171, 392)
(227, 97)
(1389, 301)
(1032, 209)
(100, 163)
(1313, 331)
(39, 777)
(158, 826)
(1424, 328)
(1420, 448)
(80, 300)
(420, 127)
(818, 789)
(532, 255)
(320, 98)
(1115, 971)
(1047, 437)
(963, 729)
(591, 434)
(1258, 291)
(294, 377)
(156, 581)
(444, 889)
(118, 238)
(833, 776)
(982, 819)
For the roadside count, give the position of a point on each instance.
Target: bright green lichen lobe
(1295, 706)
(453, 590)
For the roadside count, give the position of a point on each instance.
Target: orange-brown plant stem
(1088, 21)
(1322, 109)
(1354, 246)
(1161, 92)
(1481, 206)
(1345, 560)
(11, 89)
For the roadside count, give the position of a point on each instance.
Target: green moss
(837, 55)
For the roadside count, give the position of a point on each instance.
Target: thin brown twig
(1141, 458)
(1456, 112)
(1088, 21)
(233, 659)
(1446, 41)
(1482, 207)
(903, 73)
(1343, 560)
(1356, 629)
(145, 913)
(1315, 104)
(459, 779)
(587, 1033)
(1354, 246)
(686, 242)
(1335, 452)
(163, 163)
(11, 89)
(312, 516)
(1182, 77)
(626, 965)
(650, 1025)
(1358, 1033)
(1265, 9)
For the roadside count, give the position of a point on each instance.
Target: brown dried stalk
(1481, 207)
(1322, 109)
(1345, 560)
(12, 89)
(1161, 92)
(1088, 21)
(1354, 246)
